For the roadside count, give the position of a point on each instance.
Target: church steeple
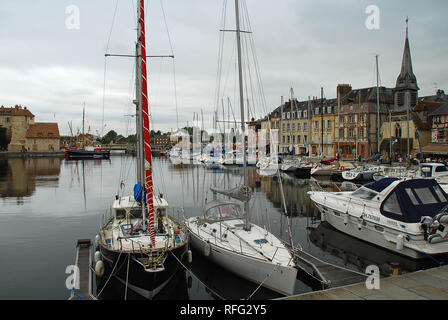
(406, 87)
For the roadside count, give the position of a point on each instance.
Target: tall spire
(406, 79)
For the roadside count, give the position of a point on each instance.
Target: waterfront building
(357, 120)
(25, 134)
(323, 127)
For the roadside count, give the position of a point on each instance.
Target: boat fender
(97, 240)
(360, 225)
(400, 241)
(207, 249)
(346, 216)
(323, 216)
(342, 168)
(99, 268)
(189, 256)
(97, 256)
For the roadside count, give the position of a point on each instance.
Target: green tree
(109, 137)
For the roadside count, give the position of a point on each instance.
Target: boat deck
(83, 262)
(430, 284)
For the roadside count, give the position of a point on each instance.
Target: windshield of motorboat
(225, 211)
(364, 193)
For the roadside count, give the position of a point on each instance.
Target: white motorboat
(362, 173)
(406, 216)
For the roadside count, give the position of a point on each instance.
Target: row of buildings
(394, 122)
(24, 134)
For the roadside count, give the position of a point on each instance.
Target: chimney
(344, 89)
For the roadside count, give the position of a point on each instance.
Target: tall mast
(378, 106)
(322, 121)
(240, 78)
(146, 158)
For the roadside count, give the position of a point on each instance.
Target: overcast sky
(302, 44)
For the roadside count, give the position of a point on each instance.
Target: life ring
(342, 168)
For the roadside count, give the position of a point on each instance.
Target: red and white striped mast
(145, 158)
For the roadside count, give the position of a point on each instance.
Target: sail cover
(242, 193)
(146, 130)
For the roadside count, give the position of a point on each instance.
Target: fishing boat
(88, 152)
(225, 234)
(409, 217)
(139, 243)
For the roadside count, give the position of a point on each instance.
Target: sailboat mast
(146, 158)
(377, 105)
(240, 77)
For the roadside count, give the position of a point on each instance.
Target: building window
(293, 139)
(305, 126)
(316, 125)
(329, 110)
(328, 124)
(350, 119)
(299, 126)
(299, 138)
(316, 137)
(305, 114)
(351, 133)
(329, 138)
(293, 127)
(288, 114)
(341, 134)
(283, 127)
(305, 140)
(341, 119)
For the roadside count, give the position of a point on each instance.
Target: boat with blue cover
(409, 217)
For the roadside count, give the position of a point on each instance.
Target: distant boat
(88, 152)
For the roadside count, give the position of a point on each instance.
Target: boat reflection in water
(357, 254)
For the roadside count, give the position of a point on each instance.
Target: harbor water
(47, 204)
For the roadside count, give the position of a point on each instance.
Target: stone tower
(406, 90)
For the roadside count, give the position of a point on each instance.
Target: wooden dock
(83, 262)
(430, 284)
(328, 275)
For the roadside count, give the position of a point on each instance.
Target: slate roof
(442, 110)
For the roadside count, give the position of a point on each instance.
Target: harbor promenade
(430, 284)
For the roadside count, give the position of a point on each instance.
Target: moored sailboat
(225, 234)
(139, 243)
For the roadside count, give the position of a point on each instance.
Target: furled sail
(242, 193)
(146, 129)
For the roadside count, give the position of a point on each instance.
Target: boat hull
(281, 280)
(82, 154)
(147, 284)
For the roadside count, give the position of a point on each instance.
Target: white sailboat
(139, 243)
(225, 234)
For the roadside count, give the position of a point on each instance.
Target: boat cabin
(126, 208)
(432, 170)
(221, 210)
(406, 200)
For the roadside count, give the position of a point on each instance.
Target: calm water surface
(48, 204)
